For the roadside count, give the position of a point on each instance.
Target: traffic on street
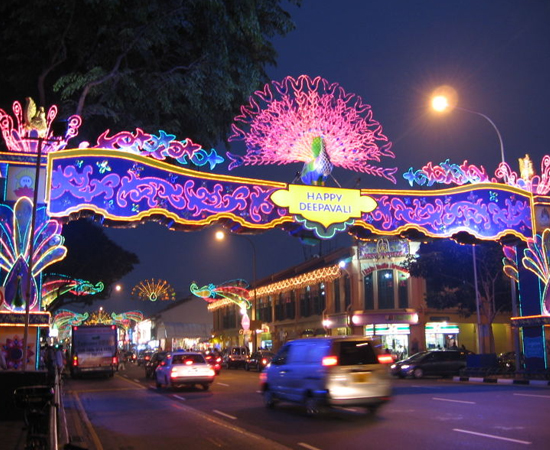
(129, 411)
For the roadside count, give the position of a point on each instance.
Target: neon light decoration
(537, 184)
(446, 173)
(153, 290)
(58, 285)
(14, 351)
(32, 124)
(234, 291)
(537, 259)
(15, 227)
(313, 122)
(64, 319)
(124, 320)
(160, 147)
(509, 262)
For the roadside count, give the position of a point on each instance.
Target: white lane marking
(310, 447)
(492, 436)
(533, 395)
(224, 414)
(454, 401)
(221, 384)
(136, 380)
(179, 397)
(425, 387)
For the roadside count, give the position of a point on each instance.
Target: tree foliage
(185, 66)
(93, 257)
(448, 270)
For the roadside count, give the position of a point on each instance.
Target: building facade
(364, 289)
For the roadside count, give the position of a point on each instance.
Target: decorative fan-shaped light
(153, 290)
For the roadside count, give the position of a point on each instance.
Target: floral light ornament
(15, 239)
(58, 284)
(154, 290)
(537, 259)
(32, 123)
(234, 291)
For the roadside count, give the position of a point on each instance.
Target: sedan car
(152, 364)
(436, 362)
(215, 361)
(184, 369)
(258, 360)
(143, 357)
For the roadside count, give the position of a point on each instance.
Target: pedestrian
(50, 361)
(59, 360)
(3, 364)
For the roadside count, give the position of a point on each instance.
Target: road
(127, 412)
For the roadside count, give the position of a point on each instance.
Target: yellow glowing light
(440, 103)
(444, 98)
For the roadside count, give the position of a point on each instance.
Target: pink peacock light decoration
(313, 122)
(154, 290)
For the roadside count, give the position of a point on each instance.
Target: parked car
(143, 357)
(259, 360)
(215, 361)
(235, 357)
(152, 364)
(342, 371)
(184, 369)
(433, 362)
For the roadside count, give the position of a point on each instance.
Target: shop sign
(442, 327)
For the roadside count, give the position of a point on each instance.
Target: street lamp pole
(220, 235)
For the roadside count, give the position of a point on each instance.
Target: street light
(445, 98)
(220, 236)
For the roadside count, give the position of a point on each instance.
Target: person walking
(59, 360)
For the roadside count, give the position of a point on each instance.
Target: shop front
(442, 335)
(393, 337)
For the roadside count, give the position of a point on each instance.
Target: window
(369, 291)
(403, 289)
(337, 304)
(347, 291)
(290, 305)
(385, 289)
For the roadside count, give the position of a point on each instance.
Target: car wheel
(269, 399)
(206, 386)
(159, 385)
(247, 367)
(373, 409)
(312, 406)
(418, 373)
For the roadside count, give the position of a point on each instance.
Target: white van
(235, 357)
(328, 371)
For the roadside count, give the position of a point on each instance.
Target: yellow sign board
(324, 205)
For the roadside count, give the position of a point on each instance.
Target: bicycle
(36, 402)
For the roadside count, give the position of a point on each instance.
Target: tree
(448, 270)
(91, 256)
(185, 66)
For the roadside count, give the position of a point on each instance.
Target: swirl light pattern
(280, 124)
(234, 291)
(446, 173)
(537, 259)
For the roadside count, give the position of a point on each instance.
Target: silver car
(343, 371)
(184, 368)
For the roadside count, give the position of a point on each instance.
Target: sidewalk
(12, 434)
(495, 379)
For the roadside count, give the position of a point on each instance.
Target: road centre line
(453, 401)
(309, 447)
(222, 384)
(533, 395)
(179, 397)
(492, 436)
(224, 414)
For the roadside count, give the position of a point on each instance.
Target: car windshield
(417, 356)
(187, 359)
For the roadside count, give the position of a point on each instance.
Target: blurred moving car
(214, 359)
(129, 356)
(235, 357)
(341, 371)
(184, 369)
(259, 360)
(431, 363)
(143, 357)
(152, 364)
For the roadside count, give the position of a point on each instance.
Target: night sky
(393, 54)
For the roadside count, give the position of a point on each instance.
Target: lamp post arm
(492, 124)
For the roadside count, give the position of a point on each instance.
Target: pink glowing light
(280, 123)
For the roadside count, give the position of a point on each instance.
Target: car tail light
(385, 359)
(264, 361)
(189, 362)
(330, 361)
(115, 360)
(218, 360)
(75, 361)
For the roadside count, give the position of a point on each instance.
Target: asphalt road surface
(127, 412)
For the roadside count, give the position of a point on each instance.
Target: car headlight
(393, 366)
(405, 366)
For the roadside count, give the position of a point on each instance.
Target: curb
(510, 381)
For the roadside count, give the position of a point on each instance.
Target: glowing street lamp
(220, 236)
(445, 99)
